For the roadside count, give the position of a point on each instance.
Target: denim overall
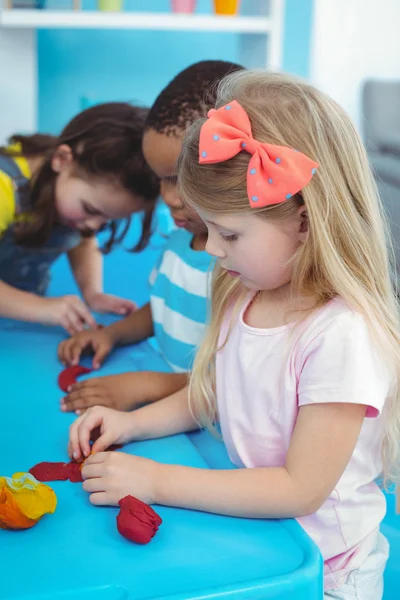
(23, 267)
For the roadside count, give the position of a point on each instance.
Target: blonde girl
(300, 362)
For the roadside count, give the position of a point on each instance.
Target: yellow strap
(7, 202)
(7, 196)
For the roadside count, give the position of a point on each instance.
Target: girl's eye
(229, 238)
(90, 210)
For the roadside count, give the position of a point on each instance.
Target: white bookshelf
(260, 42)
(55, 19)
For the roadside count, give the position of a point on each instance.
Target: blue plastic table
(77, 553)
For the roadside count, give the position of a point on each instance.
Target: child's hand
(69, 312)
(107, 303)
(100, 341)
(121, 392)
(115, 428)
(110, 476)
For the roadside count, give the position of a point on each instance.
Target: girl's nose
(214, 248)
(95, 223)
(171, 196)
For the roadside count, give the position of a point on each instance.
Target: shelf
(50, 19)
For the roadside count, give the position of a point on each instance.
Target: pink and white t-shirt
(265, 375)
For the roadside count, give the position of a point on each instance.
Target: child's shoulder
(178, 248)
(336, 350)
(337, 317)
(179, 237)
(336, 326)
(335, 309)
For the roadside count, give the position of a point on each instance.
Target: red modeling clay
(137, 521)
(49, 471)
(74, 472)
(68, 377)
(59, 471)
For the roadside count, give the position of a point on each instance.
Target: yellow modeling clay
(24, 501)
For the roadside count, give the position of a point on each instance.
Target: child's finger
(80, 402)
(67, 326)
(103, 442)
(97, 484)
(84, 314)
(74, 448)
(74, 322)
(129, 306)
(88, 384)
(114, 305)
(61, 351)
(89, 421)
(83, 392)
(64, 351)
(122, 307)
(76, 349)
(100, 499)
(97, 458)
(92, 471)
(101, 351)
(83, 388)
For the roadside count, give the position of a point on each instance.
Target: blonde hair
(346, 250)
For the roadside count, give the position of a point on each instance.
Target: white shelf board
(77, 19)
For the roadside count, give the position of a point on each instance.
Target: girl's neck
(281, 295)
(274, 308)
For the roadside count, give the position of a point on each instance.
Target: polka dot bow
(274, 174)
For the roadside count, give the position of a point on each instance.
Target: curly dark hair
(188, 96)
(106, 143)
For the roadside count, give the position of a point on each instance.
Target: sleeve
(7, 202)
(154, 272)
(343, 364)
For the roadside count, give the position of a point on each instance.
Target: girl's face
(87, 205)
(161, 152)
(255, 249)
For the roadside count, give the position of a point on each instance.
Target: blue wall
(297, 36)
(81, 67)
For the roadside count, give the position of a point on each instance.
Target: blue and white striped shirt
(180, 288)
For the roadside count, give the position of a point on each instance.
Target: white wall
(18, 87)
(354, 40)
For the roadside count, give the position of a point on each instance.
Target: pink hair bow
(274, 174)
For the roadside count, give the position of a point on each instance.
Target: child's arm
(167, 417)
(17, 304)
(126, 391)
(68, 311)
(135, 328)
(321, 447)
(86, 263)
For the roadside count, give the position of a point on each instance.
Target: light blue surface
(77, 553)
(79, 67)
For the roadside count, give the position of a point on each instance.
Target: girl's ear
(303, 224)
(62, 159)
